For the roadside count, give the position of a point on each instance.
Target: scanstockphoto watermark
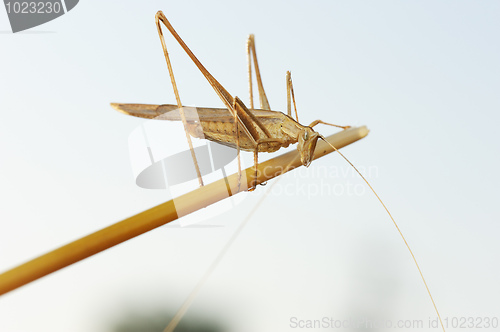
(324, 180)
(463, 322)
(24, 15)
(352, 323)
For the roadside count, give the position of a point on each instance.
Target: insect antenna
(189, 300)
(395, 224)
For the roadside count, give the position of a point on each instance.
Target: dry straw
(163, 214)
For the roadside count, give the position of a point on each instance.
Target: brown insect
(242, 128)
(249, 129)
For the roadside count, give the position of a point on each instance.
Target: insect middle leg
(252, 53)
(256, 157)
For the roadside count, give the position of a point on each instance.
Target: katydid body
(248, 129)
(217, 124)
(257, 130)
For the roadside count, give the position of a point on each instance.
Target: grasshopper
(248, 129)
(237, 126)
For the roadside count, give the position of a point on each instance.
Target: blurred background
(423, 76)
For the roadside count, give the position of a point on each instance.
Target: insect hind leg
(256, 159)
(160, 17)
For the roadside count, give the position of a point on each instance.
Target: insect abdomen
(225, 133)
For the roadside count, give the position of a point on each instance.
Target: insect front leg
(290, 96)
(315, 122)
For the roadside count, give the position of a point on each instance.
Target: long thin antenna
(189, 300)
(395, 224)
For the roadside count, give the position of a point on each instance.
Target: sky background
(423, 76)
